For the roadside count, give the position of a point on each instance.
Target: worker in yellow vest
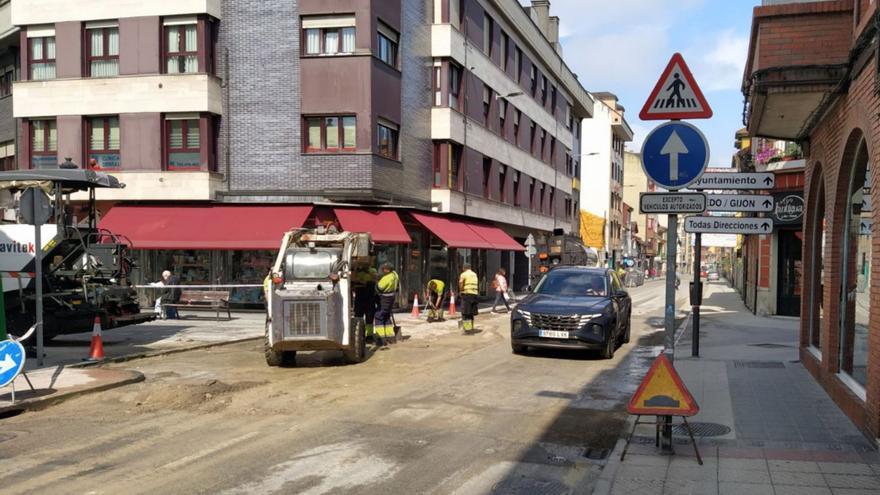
(387, 287)
(434, 298)
(365, 296)
(469, 288)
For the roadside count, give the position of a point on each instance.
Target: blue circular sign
(675, 154)
(11, 361)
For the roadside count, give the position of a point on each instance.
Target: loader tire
(275, 357)
(357, 351)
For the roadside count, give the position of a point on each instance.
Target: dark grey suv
(573, 308)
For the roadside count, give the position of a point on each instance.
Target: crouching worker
(434, 296)
(387, 288)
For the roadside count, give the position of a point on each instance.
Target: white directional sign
(865, 226)
(733, 180)
(728, 225)
(672, 203)
(740, 202)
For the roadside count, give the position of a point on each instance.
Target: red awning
(455, 233)
(384, 226)
(231, 227)
(497, 237)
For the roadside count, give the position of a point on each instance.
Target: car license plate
(553, 334)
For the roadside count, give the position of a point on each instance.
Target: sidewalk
(57, 383)
(773, 429)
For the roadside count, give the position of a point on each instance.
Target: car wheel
(610, 346)
(626, 331)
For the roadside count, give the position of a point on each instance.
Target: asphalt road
(452, 414)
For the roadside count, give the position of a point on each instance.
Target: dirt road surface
(449, 414)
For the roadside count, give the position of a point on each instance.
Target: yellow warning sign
(662, 393)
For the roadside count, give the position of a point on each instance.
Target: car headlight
(584, 319)
(525, 315)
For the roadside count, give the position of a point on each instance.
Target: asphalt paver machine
(309, 295)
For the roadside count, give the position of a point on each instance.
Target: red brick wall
(815, 33)
(832, 146)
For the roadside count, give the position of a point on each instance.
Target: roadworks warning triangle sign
(676, 95)
(662, 393)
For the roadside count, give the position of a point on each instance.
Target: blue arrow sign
(11, 361)
(675, 154)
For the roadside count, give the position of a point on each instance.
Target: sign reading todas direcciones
(728, 225)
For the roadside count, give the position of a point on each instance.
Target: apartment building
(448, 129)
(645, 225)
(605, 137)
(9, 66)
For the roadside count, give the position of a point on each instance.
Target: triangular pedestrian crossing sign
(662, 393)
(676, 95)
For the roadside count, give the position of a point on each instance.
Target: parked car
(713, 275)
(573, 308)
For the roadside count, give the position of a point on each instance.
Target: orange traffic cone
(451, 311)
(415, 311)
(96, 353)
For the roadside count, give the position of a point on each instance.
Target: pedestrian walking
(171, 295)
(434, 297)
(469, 288)
(500, 284)
(365, 296)
(387, 288)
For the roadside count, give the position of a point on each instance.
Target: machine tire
(277, 358)
(357, 351)
(610, 346)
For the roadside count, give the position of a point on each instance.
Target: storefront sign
(789, 209)
(44, 161)
(183, 161)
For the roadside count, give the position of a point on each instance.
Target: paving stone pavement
(786, 435)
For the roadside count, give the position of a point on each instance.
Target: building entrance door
(788, 296)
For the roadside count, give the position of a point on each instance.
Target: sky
(622, 46)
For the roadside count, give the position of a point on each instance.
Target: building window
(455, 153)
(102, 51)
(487, 104)
(488, 34)
(502, 183)
(505, 40)
(456, 10)
(387, 135)
(533, 83)
(517, 63)
(533, 134)
(7, 155)
(44, 144)
(517, 201)
(543, 144)
(568, 211)
(42, 58)
(817, 274)
(329, 35)
(532, 185)
(438, 88)
(181, 48)
(388, 41)
(183, 142)
(541, 199)
(455, 73)
(436, 164)
(6, 80)
(856, 276)
(553, 151)
(553, 99)
(502, 116)
(487, 174)
(103, 141)
(543, 90)
(332, 133)
(516, 118)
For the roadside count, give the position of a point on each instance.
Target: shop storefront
(208, 245)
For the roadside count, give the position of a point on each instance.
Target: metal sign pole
(697, 296)
(669, 318)
(38, 269)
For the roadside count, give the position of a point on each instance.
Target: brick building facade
(812, 77)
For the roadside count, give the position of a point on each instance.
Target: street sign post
(35, 210)
(674, 155)
(735, 181)
(676, 95)
(728, 225)
(740, 202)
(531, 251)
(672, 203)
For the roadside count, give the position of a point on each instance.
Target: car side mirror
(621, 293)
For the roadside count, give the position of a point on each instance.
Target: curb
(162, 352)
(45, 402)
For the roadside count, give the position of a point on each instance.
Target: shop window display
(250, 267)
(856, 289)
